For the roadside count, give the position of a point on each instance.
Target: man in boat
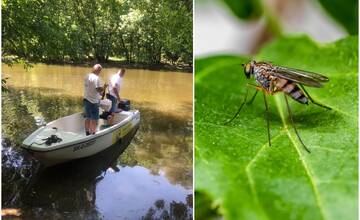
(114, 92)
(92, 91)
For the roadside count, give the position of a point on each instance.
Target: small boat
(64, 139)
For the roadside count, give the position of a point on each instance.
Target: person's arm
(100, 88)
(104, 91)
(116, 92)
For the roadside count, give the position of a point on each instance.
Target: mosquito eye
(247, 70)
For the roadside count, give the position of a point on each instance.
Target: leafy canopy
(143, 31)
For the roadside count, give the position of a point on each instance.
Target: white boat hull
(78, 145)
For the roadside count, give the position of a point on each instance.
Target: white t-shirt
(115, 82)
(91, 82)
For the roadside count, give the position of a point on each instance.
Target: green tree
(151, 32)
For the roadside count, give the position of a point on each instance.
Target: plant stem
(273, 23)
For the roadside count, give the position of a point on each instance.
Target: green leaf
(250, 180)
(245, 9)
(345, 12)
(204, 208)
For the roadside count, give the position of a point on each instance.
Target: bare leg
(241, 106)
(267, 118)
(87, 125)
(93, 125)
(312, 100)
(292, 121)
(111, 119)
(91, 129)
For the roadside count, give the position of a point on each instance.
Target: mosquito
(272, 79)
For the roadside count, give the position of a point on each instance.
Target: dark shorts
(91, 110)
(113, 102)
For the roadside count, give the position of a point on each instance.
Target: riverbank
(157, 67)
(112, 63)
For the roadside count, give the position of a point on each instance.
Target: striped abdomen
(291, 89)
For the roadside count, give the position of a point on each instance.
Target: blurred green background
(243, 26)
(318, 35)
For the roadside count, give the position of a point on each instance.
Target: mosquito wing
(300, 76)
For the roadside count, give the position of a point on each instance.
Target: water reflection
(137, 188)
(18, 170)
(151, 179)
(99, 187)
(178, 210)
(166, 90)
(164, 141)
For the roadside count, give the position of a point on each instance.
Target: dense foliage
(151, 32)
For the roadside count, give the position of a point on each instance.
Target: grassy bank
(111, 63)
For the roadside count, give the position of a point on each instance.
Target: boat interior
(70, 128)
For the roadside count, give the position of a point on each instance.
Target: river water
(149, 179)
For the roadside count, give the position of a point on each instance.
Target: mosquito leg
(241, 106)
(293, 124)
(252, 98)
(254, 86)
(267, 118)
(312, 100)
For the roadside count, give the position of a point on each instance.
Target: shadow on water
(62, 189)
(68, 191)
(18, 170)
(151, 179)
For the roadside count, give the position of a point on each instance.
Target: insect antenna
(312, 100)
(293, 124)
(267, 118)
(241, 106)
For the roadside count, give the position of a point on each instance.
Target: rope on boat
(49, 140)
(52, 139)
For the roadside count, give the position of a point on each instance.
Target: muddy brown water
(151, 178)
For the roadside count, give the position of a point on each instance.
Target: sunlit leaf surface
(245, 177)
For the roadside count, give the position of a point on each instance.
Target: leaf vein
(249, 173)
(302, 159)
